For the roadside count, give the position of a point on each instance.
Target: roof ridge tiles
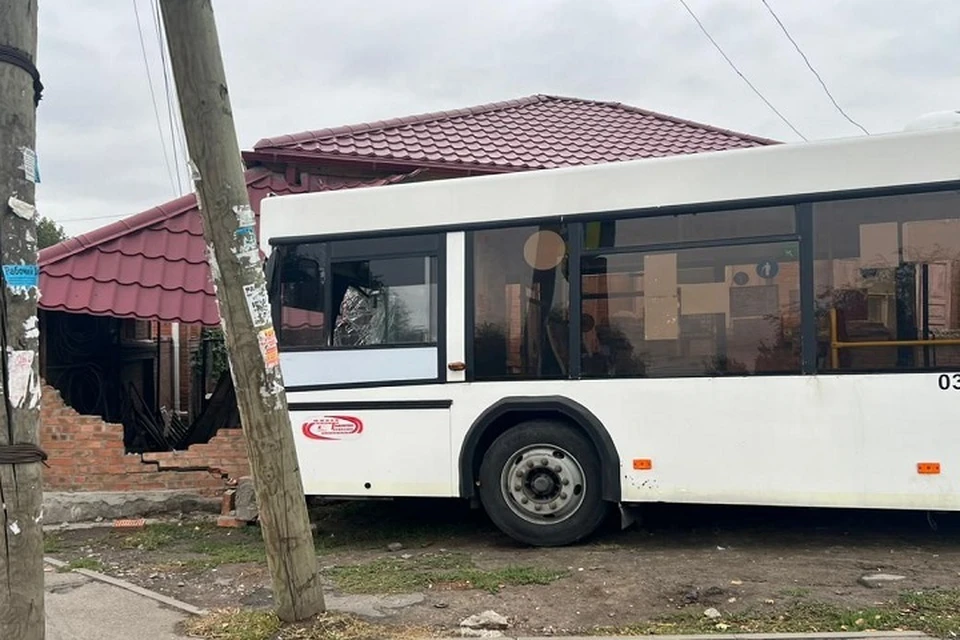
(365, 127)
(548, 124)
(662, 116)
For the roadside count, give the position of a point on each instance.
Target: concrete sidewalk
(81, 608)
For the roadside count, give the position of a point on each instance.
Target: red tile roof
(153, 266)
(536, 132)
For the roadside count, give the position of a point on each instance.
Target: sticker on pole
(268, 347)
(247, 250)
(20, 208)
(20, 373)
(258, 304)
(30, 166)
(248, 240)
(333, 428)
(245, 216)
(21, 276)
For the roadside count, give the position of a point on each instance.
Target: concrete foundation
(66, 507)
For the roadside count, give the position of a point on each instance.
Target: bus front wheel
(540, 484)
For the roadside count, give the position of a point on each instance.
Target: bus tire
(540, 483)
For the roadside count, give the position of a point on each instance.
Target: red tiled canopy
(152, 266)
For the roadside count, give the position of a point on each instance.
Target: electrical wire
(153, 98)
(172, 109)
(85, 219)
(175, 109)
(812, 70)
(738, 72)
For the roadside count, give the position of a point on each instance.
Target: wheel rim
(543, 484)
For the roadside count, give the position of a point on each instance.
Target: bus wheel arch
(511, 411)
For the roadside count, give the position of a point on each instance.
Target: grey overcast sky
(302, 64)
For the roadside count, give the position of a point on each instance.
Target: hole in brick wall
(104, 416)
(125, 371)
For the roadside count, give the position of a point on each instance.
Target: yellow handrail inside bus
(836, 345)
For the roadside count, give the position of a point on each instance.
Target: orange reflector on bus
(642, 464)
(928, 468)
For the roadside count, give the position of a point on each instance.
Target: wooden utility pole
(245, 315)
(21, 493)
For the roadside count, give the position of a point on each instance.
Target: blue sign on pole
(21, 275)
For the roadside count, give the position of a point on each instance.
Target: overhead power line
(810, 66)
(740, 73)
(176, 134)
(153, 98)
(112, 216)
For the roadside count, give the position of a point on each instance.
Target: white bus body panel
(825, 441)
(724, 176)
(302, 368)
(397, 453)
(456, 304)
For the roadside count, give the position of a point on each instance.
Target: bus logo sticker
(333, 428)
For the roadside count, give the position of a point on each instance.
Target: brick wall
(87, 454)
(225, 454)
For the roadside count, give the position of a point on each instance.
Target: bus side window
(364, 292)
(298, 295)
(708, 311)
(887, 270)
(521, 303)
(384, 301)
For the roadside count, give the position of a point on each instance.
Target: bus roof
(762, 174)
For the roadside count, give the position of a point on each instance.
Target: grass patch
(415, 523)
(219, 546)
(934, 612)
(938, 610)
(91, 564)
(260, 625)
(216, 545)
(354, 524)
(395, 575)
(158, 536)
(52, 543)
(220, 552)
(234, 625)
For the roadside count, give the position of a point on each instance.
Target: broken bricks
(129, 523)
(239, 505)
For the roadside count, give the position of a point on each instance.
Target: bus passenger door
(361, 339)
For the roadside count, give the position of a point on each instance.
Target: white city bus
(771, 326)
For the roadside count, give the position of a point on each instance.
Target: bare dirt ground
(769, 569)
